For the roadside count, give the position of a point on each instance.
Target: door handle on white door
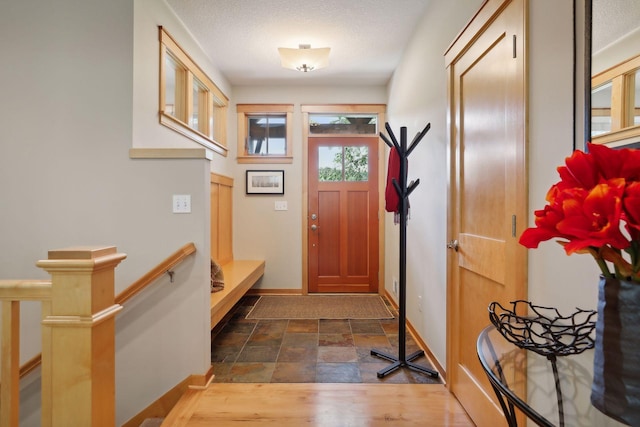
(453, 244)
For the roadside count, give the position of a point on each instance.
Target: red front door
(343, 214)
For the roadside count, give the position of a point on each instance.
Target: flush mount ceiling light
(304, 58)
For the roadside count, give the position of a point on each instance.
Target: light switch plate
(281, 205)
(182, 203)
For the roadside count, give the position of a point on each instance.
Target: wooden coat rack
(403, 190)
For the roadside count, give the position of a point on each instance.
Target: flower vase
(615, 390)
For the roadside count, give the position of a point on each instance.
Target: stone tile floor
(307, 351)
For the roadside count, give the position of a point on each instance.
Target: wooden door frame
(307, 109)
(478, 23)
(458, 47)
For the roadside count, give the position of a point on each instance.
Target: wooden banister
(78, 311)
(10, 391)
(78, 338)
(37, 290)
(25, 290)
(162, 268)
(30, 365)
(12, 291)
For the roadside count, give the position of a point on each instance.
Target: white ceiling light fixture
(304, 58)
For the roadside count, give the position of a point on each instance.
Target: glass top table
(549, 393)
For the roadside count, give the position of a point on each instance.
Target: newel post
(78, 337)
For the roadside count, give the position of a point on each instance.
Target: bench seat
(239, 277)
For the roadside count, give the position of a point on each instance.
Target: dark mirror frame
(588, 6)
(583, 25)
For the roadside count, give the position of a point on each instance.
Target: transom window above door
(264, 133)
(343, 123)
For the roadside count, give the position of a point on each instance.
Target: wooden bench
(239, 275)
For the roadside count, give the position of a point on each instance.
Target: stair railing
(78, 309)
(78, 338)
(165, 267)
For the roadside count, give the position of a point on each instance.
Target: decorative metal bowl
(544, 330)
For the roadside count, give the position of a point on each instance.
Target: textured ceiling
(366, 37)
(612, 20)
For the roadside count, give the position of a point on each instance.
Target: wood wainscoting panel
(221, 218)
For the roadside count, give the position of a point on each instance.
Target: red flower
(622, 163)
(547, 219)
(580, 171)
(596, 200)
(631, 208)
(594, 220)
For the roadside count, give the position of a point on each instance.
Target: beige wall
(557, 280)
(417, 96)
(259, 231)
(146, 132)
(83, 91)
(66, 179)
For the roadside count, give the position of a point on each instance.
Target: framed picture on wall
(265, 182)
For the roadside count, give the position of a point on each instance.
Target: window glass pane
(601, 109)
(636, 101)
(356, 163)
(189, 99)
(329, 163)
(213, 131)
(195, 102)
(257, 135)
(170, 86)
(267, 135)
(343, 124)
(277, 146)
(277, 133)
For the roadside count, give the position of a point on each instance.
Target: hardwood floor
(255, 392)
(322, 405)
